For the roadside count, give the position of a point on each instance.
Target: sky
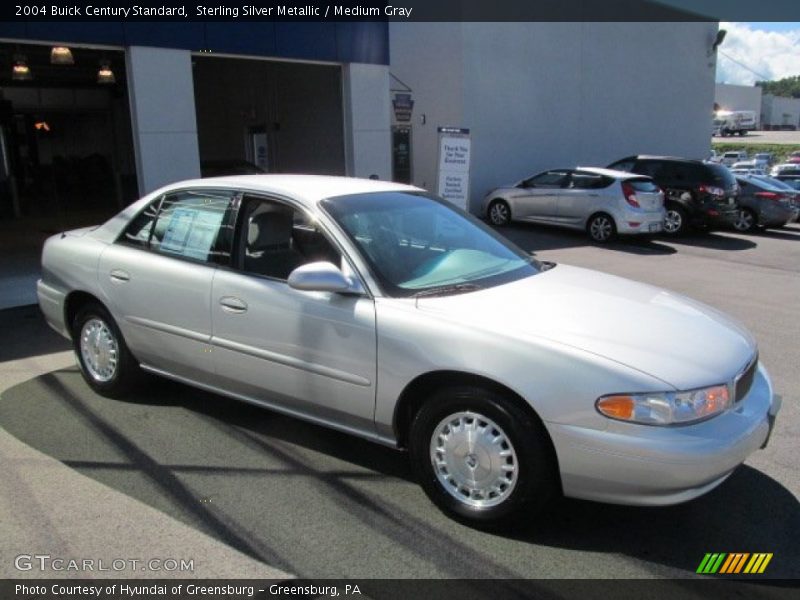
(758, 51)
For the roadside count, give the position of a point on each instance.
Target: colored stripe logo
(734, 563)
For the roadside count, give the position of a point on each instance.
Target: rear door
(537, 201)
(157, 278)
(584, 194)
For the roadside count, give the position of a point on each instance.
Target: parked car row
(646, 195)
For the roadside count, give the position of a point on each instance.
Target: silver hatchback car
(602, 202)
(382, 311)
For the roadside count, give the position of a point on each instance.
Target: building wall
(542, 95)
(738, 97)
(780, 112)
(162, 116)
(365, 91)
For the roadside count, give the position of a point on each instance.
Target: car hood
(678, 340)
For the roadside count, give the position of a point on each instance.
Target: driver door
(537, 200)
(311, 353)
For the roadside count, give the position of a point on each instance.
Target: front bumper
(654, 466)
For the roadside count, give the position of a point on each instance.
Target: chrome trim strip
(172, 329)
(369, 435)
(290, 361)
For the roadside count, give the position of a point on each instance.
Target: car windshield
(418, 244)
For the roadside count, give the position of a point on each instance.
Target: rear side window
(589, 181)
(138, 231)
(653, 168)
(623, 165)
(643, 185)
(193, 225)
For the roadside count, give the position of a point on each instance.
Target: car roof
(610, 173)
(309, 189)
(657, 157)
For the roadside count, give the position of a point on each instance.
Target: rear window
(721, 176)
(643, 185)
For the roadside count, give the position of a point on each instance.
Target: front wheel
(105, 361)
(601, 228)
(675, 221)
(481, 458)
(499, 213)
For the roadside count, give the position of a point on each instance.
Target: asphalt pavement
(317, 503)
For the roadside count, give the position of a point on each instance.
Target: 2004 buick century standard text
(377, 309)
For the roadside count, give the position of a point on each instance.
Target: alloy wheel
(673, 221)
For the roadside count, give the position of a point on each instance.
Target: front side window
(550, 179)
(137, 233)
(415, 243)
(276, 238)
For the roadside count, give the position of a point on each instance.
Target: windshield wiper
(447, 290)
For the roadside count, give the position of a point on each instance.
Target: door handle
(232, 304)
(119, 276)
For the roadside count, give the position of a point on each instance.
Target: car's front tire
(499, 213)
(105, 361)
(481, 458)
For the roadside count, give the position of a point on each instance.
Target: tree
(788, 87)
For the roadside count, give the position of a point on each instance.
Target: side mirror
(323, 277)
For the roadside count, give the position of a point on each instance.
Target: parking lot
(317, 503)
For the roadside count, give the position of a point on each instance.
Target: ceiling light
(105, 74)
(20, 71)
(61, 55)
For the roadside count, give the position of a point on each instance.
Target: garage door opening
(66, 151)
(271, 116)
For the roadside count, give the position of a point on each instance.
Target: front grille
(744, 381)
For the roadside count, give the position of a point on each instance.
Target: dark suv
(696, 193)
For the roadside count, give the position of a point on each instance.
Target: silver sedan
(382, 311)
(602, 202)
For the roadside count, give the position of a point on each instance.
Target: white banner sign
(454, 156)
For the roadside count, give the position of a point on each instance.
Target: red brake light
(712, 190)
(630, 194)
(769, 195)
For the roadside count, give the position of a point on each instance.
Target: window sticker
(191, 232)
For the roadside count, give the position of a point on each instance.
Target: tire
(675, 220)
(601, 228)
(510, 452)
(105, 361)
(746, 221)
(499, 213)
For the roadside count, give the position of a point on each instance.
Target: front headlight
(666, 408)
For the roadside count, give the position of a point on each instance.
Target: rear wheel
(480, 458)
(601, 228)
(675, 220)
(499, 213)
(746, 220)
(105, 361)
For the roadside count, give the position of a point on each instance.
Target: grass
(779, 151)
